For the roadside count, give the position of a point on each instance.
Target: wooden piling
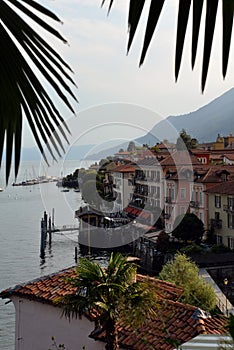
(49, 231)
(76, 255)
(43, 239)
(45, 223)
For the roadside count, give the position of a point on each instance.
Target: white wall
(36, 323)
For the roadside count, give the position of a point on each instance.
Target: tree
(185, 141)
(184, 273)
(112, 292)
(21, 89)
(163, 242)
(188, 227)
(131, 146)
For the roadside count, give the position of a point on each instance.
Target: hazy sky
(104, 74)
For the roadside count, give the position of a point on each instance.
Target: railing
(194, 204)
(228, 208)
(167, 216)
(168, 199)
(140, 178)
(140, 193)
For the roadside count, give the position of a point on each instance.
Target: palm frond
(136, 12)
(197, 13)
(211, 11)
(20, 83)
(228, 11)
(183, 15)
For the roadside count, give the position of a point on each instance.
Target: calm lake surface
(21, 210)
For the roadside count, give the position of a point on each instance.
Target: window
(230, 201)
(230, 242)
(201, 198)
(182, 210)
(172, 193)
(219, 239)
(224, 177)
(182, 193)
(230, 220)
(217, 201)
(192, 196)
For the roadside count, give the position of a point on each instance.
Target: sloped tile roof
(226, 187)
(49, 288)
(164, 289)
(173, 320)
(46, 289)
(179, 158)
(125, 168)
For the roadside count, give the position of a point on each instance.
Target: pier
(48, 227)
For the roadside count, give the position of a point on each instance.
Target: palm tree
(135, 13)
(111, 293)
(21, 90)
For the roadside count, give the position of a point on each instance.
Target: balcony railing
(153, 178)
(228, 208)
(194, 204)
(216, 223)
(168, 199)
(167, 216)
(140, 178)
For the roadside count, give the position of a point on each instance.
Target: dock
(48, 227)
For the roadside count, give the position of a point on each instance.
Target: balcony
(154, 179)
(216, 223)
(168, 199)
(167, 216)
(194, 204)
(228, 208)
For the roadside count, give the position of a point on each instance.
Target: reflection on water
(21, 209)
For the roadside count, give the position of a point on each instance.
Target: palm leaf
(154, 13)
(228, 11)
(197, 13)
(21, 85)
(136, 12)
(183, 15)
(211, 11)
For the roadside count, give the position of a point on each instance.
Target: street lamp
(225, 281)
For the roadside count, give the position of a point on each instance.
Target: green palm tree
(111, 293)
(24, 53)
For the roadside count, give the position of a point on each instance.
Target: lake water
(21, 210)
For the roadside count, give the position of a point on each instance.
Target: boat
(65, 190)
(1, 189)
(76, 190)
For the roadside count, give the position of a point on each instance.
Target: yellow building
(221, 212)
(223, 142)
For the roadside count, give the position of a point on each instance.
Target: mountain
(203, 124)
(74, 153)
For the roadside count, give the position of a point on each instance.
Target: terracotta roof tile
(46, 289)
(173, 319)
(222, 188)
